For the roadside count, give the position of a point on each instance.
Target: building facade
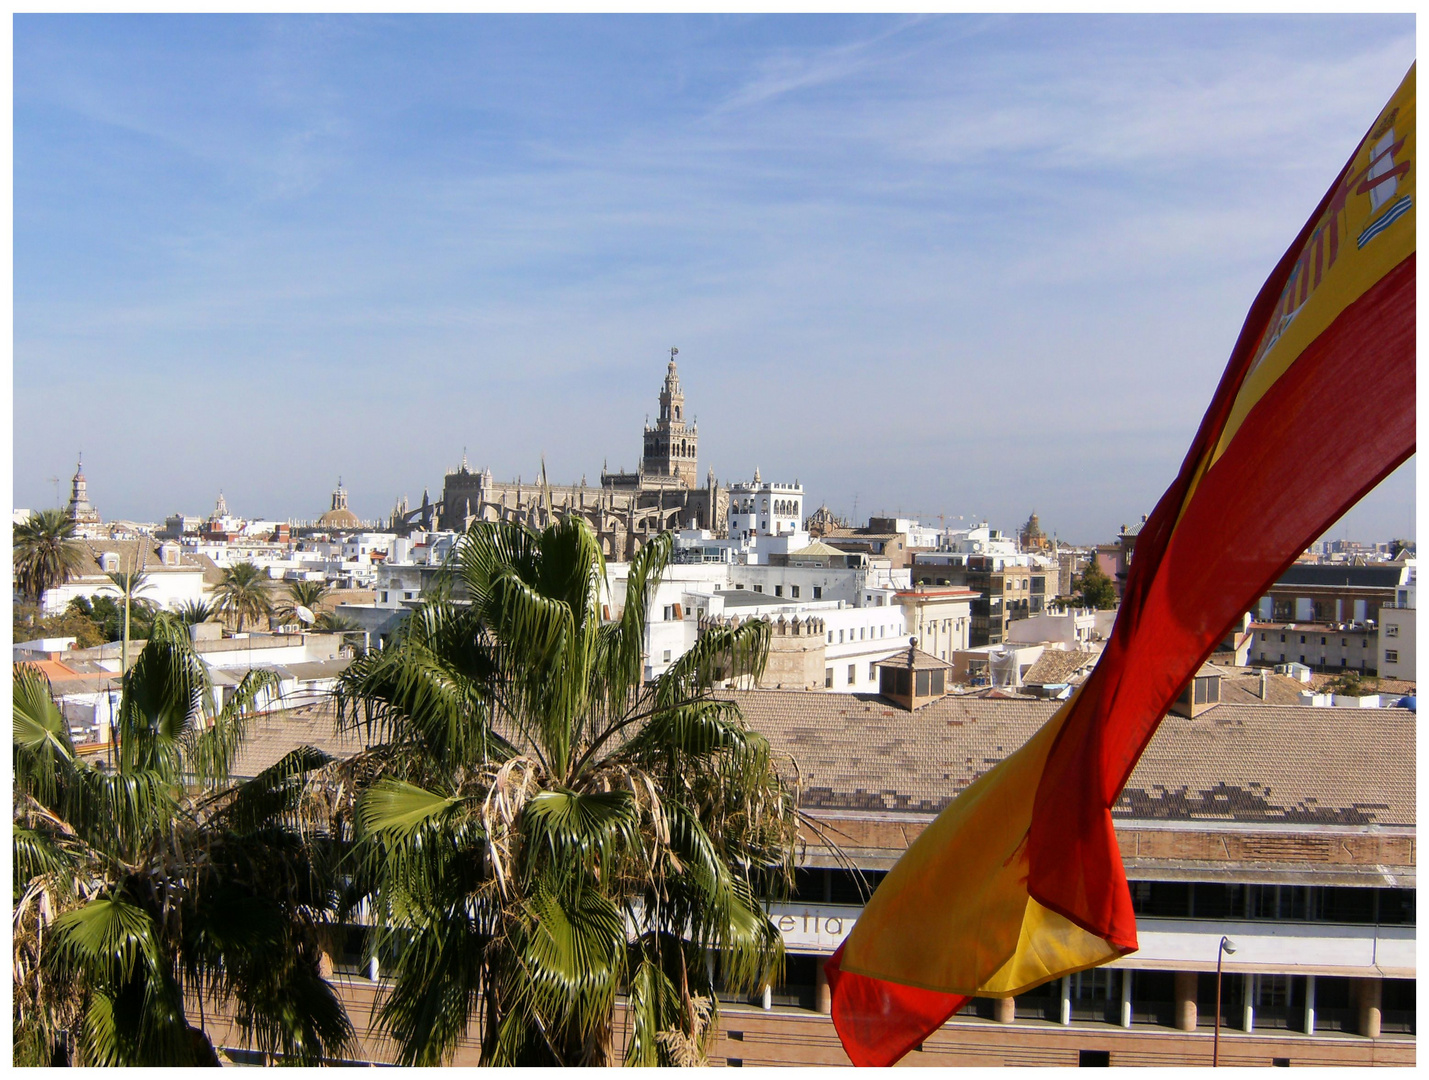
(624, 510)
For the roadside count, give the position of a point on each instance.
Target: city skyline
(917, 262)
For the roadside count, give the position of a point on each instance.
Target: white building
(764, 508)
(1396, 632)
(174, 576)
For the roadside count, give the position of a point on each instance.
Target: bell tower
(670, 446)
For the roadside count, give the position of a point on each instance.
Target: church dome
(339, 517)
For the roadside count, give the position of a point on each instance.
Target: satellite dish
(304, 615)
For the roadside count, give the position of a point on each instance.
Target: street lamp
(1227, 948)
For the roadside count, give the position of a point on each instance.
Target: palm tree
(160, 882)
(334, 622)
(193, 612)
(243, 593)
(129, 584)
(46, 553)
(308, 594)
(539, 829)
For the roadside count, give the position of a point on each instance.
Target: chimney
(1264, 685)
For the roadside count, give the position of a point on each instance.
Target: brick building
(1333, 592)
(1284, 828)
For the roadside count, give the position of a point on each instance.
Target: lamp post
(1226, 948)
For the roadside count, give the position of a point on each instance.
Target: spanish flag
(1019, 881)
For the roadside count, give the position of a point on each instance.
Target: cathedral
(624, 510)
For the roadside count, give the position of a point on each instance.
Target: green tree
(308, 594)
(106, 614)
(137, 885)
(1096, 589)
(243, 594)
(27, 623)
(46, 553)
(1352, 684)
(527, 797)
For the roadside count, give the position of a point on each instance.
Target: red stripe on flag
(881, 1021)
(1325, 433)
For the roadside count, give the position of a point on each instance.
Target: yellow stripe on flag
(963, 883)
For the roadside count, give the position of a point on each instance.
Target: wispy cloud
(898, 254)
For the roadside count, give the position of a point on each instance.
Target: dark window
(797, 986)
(924, 683)
(1397, 1013)
(1161, 899)
(1217, 901)
(1096, 995)
(1349, 905)
(1040, 1003)
(939, 676)
(1280, 1063)
(1153, 997)
(1232, 1000)
(1094, 1059)
(1280, 1002)
(794, 591)
(1333, 1011)
(1396, 906)
(818, 592)
(828, 678)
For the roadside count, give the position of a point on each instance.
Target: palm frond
(41, 736)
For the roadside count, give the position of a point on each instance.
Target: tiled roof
(139, 555)
(1234, 762)
(915, 658)
(274, 734)
(1058, 666)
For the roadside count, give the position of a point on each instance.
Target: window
(669, 613)
(1391, 656)
(852, 674)
(778, 590)
(1322, 641)
(828, 678)
(667, 656)
(1302, 639)
(741, 586)
(1262, 635)
(759, 588)
(872, 672)
(841, 637)
(818, 592)
(1391, 631)
(794, 591)
(1282, 637)
(831, 637)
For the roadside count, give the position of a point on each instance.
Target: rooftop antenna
(56, 481)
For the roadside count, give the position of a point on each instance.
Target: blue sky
(959, 265)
